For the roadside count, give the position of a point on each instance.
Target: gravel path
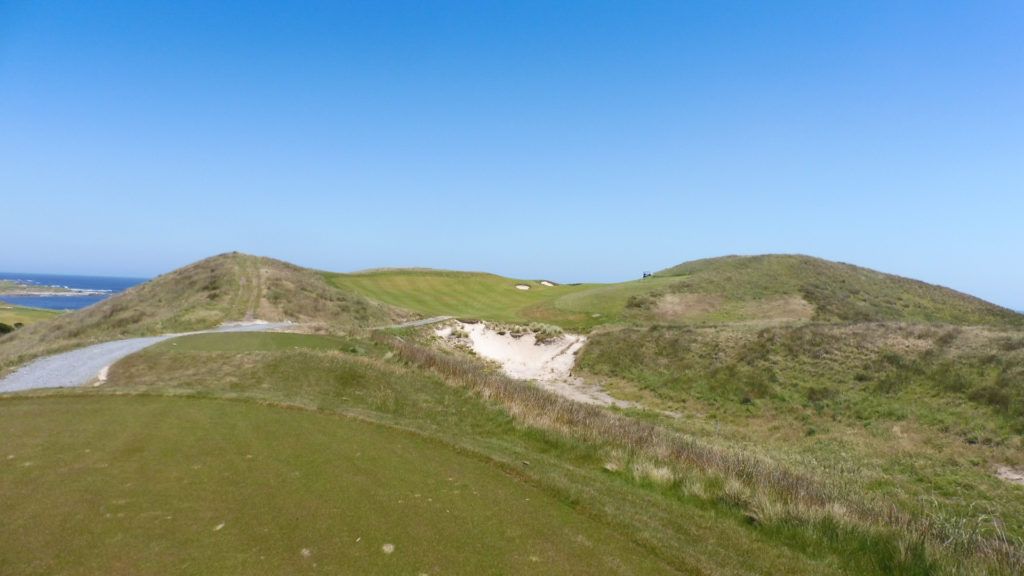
(78, 367)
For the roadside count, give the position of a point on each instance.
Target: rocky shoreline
(8, 288)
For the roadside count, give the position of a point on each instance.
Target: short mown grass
(159, 485)
(487, 296)
(13, 315)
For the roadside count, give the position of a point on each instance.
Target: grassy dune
(837, 292)
(229, 287)
(888, 391)
(819, 497)
(751, 289)
(789, 434)
(919, 415)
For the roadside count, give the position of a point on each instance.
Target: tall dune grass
(876, 535)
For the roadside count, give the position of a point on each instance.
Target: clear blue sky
(575, 141)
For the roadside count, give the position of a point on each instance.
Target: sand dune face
(548, 363)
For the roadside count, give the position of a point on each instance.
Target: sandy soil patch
(686, 306)
(1010, 475)
(522, 287)
(780, 308)
(546, 283)
(548, 363)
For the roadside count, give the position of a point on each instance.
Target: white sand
(546, 283)
(1009, 474)
(522, 287)
(549, 364)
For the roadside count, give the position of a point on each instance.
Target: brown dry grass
(779, 308)
(681, 307)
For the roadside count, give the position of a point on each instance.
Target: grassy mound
(819, 363)
(229, 287)
(788, 435)
(767, 289)
(837, 292)
(916, 415)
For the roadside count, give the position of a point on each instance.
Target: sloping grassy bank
(639, 476)
(837, 366)
(867, 531)
(919, 416)
(695, 505)
(359, 379)
(838, 292)
(203, 295)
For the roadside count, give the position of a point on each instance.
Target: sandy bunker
(548, 363)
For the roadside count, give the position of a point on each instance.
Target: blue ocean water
(98, 287)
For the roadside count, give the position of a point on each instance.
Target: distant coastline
(8, 288)
(66, 293)
(60, 291)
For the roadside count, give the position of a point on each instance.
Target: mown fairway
(114, 485)
(11, 315)
(486, 296)
(464, 294)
